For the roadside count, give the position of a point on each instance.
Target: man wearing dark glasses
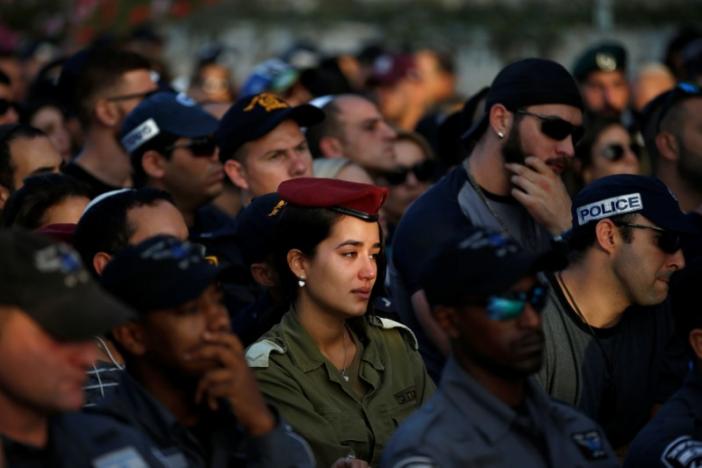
(608, 330)
(488, 412)
(510, 182)
(102, 86)
(8, 107)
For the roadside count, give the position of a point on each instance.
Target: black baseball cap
(527, 82)
(47, 280)
(251, 117)
(605, 56)
(160, 112)
(656, 110)
(479, 263)
(626, 193)
(255, 227)
(161, 272)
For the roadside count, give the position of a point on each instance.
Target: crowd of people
(347, 264)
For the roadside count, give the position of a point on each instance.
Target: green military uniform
(322, 406)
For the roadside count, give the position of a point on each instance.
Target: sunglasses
(6, 105)
(668, 241)
(512, 304)
(127, 97)
(424, 172)
(557, 128)
(616, 151)
(681, 91)
(200, 147)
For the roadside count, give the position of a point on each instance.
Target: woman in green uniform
(343, 378)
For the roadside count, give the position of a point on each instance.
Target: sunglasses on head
(424, 172)
(668, 241)
(556, 127)
(200, 147)
(616, 151)
(682, 90)
(511, 305)
(5, 106)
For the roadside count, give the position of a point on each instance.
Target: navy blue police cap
(162, 272)
(251, 117)
(626, 193)
(527, 82)
(164, 112)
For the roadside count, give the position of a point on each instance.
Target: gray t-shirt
(617, 375)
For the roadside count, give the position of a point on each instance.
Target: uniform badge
(268, 101)
(407, 395)
(683, 452)
(590, 444)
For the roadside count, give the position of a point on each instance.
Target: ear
(131, 337)
(236, 173)
(500, 120)
(330, 147)
(154, 164)
(445, 316)
(695, 340)
(4, 195)
(100, 261)
(607, 235)
(106, 113)
(263, 274)
(667, 146)
(297, 263)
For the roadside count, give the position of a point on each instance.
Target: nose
(82, 354)
(566, 147)
(530, 318)
(388, 132)
(369, 269)
(217, 317)
(677, 260)
(299, 163)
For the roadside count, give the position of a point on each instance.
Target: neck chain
(484, 199)
(343, 371)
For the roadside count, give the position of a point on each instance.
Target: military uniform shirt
(464, 425)
(312, 396)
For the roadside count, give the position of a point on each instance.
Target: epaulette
(258, 354)
(388, 324)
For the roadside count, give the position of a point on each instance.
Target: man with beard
(611, 360)
(187, 385)
(510, 183)
(487, 411)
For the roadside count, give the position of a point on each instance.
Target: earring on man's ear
(301, 282)
(500, 135)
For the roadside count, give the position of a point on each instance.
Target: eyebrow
(355, 243)
(279, 150)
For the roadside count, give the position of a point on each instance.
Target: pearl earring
(301, 282)
(500, 135)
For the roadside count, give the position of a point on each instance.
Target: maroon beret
(60, 231)
(351, 198)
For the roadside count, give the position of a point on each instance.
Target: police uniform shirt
(312, 396)
(673, 438)
(448, 206)
(78, 440)
(217, 442)
(617, 377)
(464, 425)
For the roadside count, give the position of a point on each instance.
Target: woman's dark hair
(595, 127)
(304, 229)
(582, 238)
(28, 205)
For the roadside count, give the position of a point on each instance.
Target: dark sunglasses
(556, 127)
(424, 172)
(6, 105)
(616, 151)
(512, 304)
(682, 90)
(200, 147)
(668, 241)
(127, 97)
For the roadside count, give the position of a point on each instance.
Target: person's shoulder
(390, 328)
(260, 353)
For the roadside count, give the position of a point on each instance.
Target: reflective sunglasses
(424, 172)
(668, 241)
(682, 90)
(556, 127)
(200, 147)
(511, 305)
(5, 106)
(616, 151)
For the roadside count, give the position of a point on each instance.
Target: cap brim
(81, 314)
(204, 125)
(475, 132)
(526, 264)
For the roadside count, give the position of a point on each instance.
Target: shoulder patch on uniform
(683, 451)
(388, 324)
(126, 457)
(590, 443)
(259, 353)
(415, 462)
